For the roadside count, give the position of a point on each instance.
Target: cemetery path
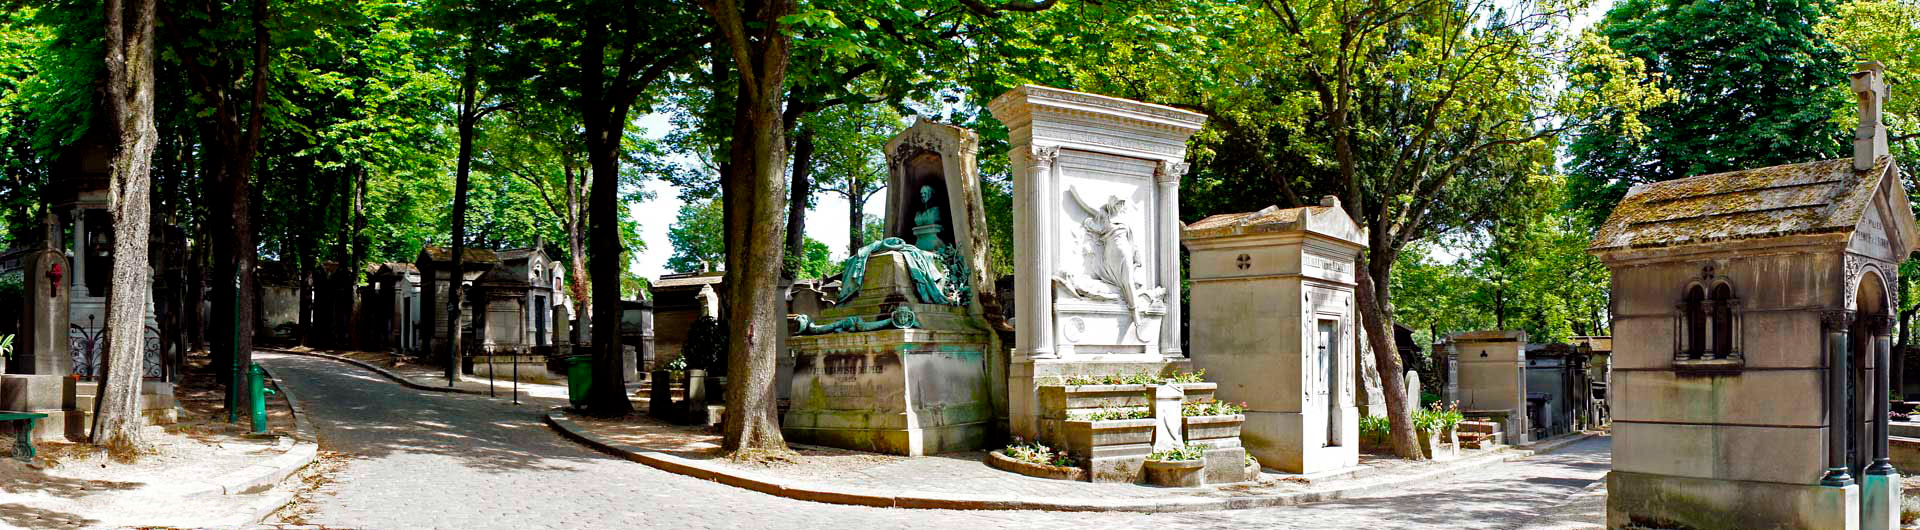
(416, 459)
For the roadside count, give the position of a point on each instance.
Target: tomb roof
(1826, 196)
(689, 280)
(469, 255)
(1329, 221)
(1492, 335)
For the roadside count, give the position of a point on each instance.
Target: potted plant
(1180, 467)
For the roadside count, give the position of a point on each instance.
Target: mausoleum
(1751, 321)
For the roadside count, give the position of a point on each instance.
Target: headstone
(1273, 323)
(37, 378)
(1413, 390)
(1096, 234)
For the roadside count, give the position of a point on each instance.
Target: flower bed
(1036, 460)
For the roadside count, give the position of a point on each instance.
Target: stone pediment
(1827, 197)
(1327, 221)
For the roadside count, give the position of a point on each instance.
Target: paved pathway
(416, 459)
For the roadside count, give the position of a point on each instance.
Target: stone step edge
(403, 380)
(826, 493)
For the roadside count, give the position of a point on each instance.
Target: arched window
(1695, 309)
(1723, 302)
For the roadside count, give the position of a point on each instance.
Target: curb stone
(827, 493)
(300, 448)
(403, 380)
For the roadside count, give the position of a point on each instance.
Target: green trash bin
(579, 378)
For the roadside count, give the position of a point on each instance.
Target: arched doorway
(1863, 396)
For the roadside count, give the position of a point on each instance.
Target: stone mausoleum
(1096, 229)
(1751, 321)
(1274, 325)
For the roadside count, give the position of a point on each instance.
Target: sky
(826, 222)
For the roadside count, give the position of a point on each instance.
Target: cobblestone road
(413, 459)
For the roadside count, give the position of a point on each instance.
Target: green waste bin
(579, 378)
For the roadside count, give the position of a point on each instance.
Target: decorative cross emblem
(1246, 262)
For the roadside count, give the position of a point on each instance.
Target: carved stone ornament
(1115, 271)
(1836, 320)
(1170, 170)
(1878, 325)
(1044, 156)
(1853, 266)
(915, 143)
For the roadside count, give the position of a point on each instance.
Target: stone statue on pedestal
(927, 223)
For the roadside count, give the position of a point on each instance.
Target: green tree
(1755, 87)
(850, 160)
(815, 262)
(698, 238)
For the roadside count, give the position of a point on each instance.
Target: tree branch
(1026, 6)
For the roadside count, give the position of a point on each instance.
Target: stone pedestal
(1273, 323)
(1096, 222)
(915, 390)
(53, 395)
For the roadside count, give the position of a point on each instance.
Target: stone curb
(827, 493)
(403, 380)
(302, 447)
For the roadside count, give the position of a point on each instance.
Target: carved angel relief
(1114, 268)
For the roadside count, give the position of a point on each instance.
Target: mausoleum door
(1327, 365)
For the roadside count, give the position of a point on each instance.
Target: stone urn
(1176, 473)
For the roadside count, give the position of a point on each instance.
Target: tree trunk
(856, 215)
(577, 282)
(604, 113)
(753, 204)
(469, 93)
(116, 426)
(801, 188)
(1377, 316)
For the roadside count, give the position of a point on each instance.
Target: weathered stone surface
(1666, 501)
(1273, 324)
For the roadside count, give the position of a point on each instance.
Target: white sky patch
(826, 222)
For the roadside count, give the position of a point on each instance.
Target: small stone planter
(1215, 431)
(1176, 473)
(999, 460)
(1439, 445)
(1112, 449)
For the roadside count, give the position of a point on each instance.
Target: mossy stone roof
(1827, 196)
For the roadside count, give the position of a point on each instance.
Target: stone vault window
(1707, 328)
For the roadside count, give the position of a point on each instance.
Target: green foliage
(1756, 86)
(816, 262)
(6, 346)
(698, 237)
(706, 346)
(1374, 427)
(1037, 453)
(1433, 418)
(1887, 31)
(1115, 413)
(1211, 408)
(1186, 453)
(1141, 378)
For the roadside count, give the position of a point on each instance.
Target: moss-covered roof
(469, 255)
(1330, 221)
(1806, 198)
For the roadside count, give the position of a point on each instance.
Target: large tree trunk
(116, 425)
(1376, 314)
(604, 113)
(754, 202)
(800, 189)
(577, 280)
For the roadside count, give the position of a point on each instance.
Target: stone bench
(22, 438)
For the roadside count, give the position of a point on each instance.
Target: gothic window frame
(1707, 326)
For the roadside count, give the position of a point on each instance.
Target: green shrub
(1435, 419)
(1187, 453)
(1374, 426)
(1133, 379)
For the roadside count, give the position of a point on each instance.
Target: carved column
(1167, 205)
(1033, 245)
(1836, 325)
(1882, 326)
